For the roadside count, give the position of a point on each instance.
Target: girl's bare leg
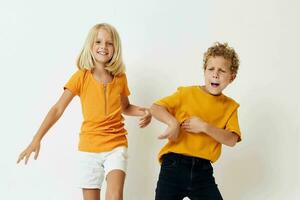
(91, 194)
(115, 183)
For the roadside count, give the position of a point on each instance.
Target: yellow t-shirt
(220, 111)
(102, 127)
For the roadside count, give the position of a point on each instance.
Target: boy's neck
(206, 91)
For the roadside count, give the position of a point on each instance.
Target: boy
(200, 119)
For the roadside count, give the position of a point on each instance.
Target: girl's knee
(114, 195)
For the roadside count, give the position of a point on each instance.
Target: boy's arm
(161, 114)
(197, 125)
(133, 110)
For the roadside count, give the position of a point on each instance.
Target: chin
(215, 93)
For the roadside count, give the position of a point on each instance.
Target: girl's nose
(103, 45)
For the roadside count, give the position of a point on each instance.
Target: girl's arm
(197, 125)
(132, 110)
(53, 115)
(161, 114)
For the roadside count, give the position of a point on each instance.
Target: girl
(101, 84)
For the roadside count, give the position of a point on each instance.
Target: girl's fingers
(142, 120)
(163, 136)
(145, 122)
(20, 158)
(37, 153)
(27, 157)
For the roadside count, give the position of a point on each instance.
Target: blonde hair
(86, 59)
(222, 49)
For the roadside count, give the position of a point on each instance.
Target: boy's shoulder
(231, 101)
(186, 88)
(185, 91)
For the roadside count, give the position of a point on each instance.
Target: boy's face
(217, 75)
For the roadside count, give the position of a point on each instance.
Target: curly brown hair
(222, 49)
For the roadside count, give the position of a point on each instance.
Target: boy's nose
(216, 75)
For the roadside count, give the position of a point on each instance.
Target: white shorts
(93, 167)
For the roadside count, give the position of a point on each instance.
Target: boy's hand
(146, 118)
(171, 132)
(194, 125)
(33, 147)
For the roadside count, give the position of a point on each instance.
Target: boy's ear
(233, 75)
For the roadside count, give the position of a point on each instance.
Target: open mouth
(215, 84)
(102, 53)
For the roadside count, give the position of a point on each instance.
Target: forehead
(104, 34)
(218, 61)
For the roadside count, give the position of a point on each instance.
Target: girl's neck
(99, 69)
(102, 75)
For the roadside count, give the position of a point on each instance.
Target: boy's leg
(168, 191)
(203, 185)
(115, 184)
(91, 194)
(171, 182)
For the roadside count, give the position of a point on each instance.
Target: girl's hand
(34, 146)
(171, 132)
(194, 125)
(146, 118)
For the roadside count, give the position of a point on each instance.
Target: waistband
(185, 159)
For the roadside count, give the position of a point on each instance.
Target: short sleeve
(170, 102)
(233, 124)
(125, 91)
(74, 83)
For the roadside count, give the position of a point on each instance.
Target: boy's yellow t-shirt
(102, 127)
(220, 111)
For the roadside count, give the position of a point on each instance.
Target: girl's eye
(110, 43)
(98, 42)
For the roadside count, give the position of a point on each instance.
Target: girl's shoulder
(121, 77)
(80, 72)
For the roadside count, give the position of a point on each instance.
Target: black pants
(183, 176)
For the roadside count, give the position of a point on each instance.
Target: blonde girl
(101, 84)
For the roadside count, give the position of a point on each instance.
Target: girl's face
(103, 48)
(217, 75)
